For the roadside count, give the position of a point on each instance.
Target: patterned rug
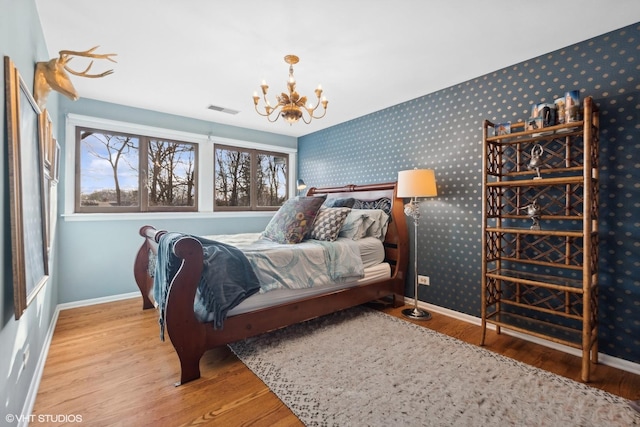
(356, 368)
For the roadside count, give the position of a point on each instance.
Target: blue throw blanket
(227, 278)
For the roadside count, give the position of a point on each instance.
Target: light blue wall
(97, 256)
(442, 130)
(21, 39)
(89, 259)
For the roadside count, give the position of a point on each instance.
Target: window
(120, 172)
(114, 167)
(248, 179)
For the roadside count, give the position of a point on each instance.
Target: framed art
(46, 140)
(26, 192)
(55, 166)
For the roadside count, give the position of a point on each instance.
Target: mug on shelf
(572, 106)
(560, 111)
(546, 112)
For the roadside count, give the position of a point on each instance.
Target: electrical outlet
(423, 280)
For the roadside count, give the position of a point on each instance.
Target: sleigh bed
(191, 337)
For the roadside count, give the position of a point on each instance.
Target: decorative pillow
(355, 225)
(328, 223)
(379, 222)
(383, 203)
(294, 220)
(362, 223)
(340, 203)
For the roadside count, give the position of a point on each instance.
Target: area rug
(361, 367)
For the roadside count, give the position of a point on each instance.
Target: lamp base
(416, 314)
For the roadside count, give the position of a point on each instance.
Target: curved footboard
(186, 333)
(141, 272)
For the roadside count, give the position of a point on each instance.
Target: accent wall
(443, 131)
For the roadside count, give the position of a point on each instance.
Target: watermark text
(44, 418)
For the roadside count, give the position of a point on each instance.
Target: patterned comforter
(303, 265)
(275, 266)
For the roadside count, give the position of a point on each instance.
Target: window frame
(253, 152)
(143, 176)
(204, 176)
(145, 182)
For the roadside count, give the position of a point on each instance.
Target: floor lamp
(413, 184)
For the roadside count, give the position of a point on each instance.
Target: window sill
(120, 216)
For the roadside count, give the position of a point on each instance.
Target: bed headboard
(396, 242)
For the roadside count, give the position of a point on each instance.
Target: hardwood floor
(107, 365)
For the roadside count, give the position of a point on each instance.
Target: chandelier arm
(319, 117)
(314, 107)
(275, 119)
(269, 115)
(311, 111)
(262, 114)
(277, 109)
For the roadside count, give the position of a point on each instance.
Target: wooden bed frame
(192, 338)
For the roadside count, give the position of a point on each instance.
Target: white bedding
(371, 248)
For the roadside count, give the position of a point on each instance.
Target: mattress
(280, 296)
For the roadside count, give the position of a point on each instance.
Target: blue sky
(97, 173)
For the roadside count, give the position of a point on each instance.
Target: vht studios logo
(44, 418)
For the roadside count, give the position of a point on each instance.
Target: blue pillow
(340, 203)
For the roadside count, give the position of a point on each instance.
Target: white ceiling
(179, 57)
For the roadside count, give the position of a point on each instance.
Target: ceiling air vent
(222, 109)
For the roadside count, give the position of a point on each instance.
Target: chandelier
(290, 106)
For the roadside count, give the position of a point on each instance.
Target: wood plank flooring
(107, 364)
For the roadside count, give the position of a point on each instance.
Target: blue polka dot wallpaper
(443, 131)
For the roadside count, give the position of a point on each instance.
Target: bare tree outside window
(130, 172)
(249, 179)
(110, 171)
(171, 173)
(232, 178)
(271, 180)
(114, 177)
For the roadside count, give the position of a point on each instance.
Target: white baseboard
(101, 300)
(30, 399)
(604, 359)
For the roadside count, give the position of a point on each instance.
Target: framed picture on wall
(55, 166)
(46, 140)
(26, 190)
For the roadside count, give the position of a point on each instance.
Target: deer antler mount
(53, 74)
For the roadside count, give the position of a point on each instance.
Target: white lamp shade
(417, 183)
